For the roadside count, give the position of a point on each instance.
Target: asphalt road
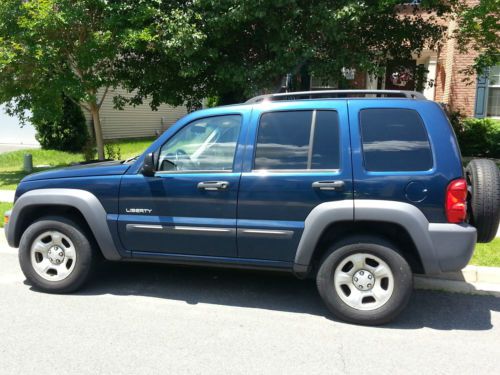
(152, 319)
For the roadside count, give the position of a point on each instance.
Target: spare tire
(483, 179)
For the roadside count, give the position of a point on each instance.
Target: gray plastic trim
(442, 247)
(316, 222)
(84, 201)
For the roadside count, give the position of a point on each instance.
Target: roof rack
(326, 94)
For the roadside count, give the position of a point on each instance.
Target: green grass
(11, 163)
(487, 254)
(4, 206)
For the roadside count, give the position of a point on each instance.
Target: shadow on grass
(280, 292)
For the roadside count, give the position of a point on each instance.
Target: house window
(493, 107)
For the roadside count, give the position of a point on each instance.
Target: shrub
(66, 131)
(480, 137)
(476, 137)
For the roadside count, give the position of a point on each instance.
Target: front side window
(493, 109)
(298, 140)
(207, 144)
(394, 140)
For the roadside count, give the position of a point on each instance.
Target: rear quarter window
(393, 140)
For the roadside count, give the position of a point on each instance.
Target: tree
(478, 29)
(69, 46)
(245, 47)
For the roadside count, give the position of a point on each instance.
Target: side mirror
(148, 168)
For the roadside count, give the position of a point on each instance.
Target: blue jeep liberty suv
(358, 189)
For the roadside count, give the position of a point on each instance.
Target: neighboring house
(134, 122)
(441, 79)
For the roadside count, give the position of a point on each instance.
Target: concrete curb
(7, 196)
(471, 280)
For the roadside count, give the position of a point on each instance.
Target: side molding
(84, 201)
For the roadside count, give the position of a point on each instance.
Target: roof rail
(326, 94)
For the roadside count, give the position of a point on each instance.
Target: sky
(11, 131)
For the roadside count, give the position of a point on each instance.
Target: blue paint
(266, 201)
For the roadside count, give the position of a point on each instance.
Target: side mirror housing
(148, 167)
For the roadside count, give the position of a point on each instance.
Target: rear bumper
(453, 245)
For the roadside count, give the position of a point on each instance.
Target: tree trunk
(94, 110)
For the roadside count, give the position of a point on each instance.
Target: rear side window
(298, 140)
(394, 140)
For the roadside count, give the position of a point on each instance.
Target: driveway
(152, 319)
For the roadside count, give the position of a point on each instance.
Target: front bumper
(453, 245)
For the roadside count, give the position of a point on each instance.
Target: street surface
(156, 319)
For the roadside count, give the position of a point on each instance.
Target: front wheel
(365, 280)
(55, 255)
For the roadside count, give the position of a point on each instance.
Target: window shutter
(481, 96)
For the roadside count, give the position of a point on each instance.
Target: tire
(378, 305)
(56, 256)
(483, 178)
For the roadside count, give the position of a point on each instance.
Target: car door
(298, 156)
(189, 206)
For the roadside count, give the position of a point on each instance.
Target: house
(437, 73)
(133, 122)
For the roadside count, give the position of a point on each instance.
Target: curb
(471, 280)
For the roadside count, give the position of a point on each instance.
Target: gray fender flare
(403, 214)
(85, 202)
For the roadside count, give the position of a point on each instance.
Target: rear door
(297, 157)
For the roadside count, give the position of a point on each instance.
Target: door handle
(328, 185)
(213, 185)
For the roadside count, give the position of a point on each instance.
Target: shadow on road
(281, 292)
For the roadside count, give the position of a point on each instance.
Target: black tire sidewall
(84, 255)
(403, 283)
(484, 201)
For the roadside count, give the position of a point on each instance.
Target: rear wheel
(364, 280)
(55, 255)
(483, 179)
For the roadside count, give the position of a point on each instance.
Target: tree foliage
(241, 47)
(479, 30)
(64, 129)
(179, 52)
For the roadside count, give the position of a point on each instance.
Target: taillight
(456, 201)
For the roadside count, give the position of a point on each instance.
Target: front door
(301, 159)
(189, 206)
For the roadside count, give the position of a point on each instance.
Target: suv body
(270, 185)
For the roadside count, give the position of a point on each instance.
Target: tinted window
(326, 141)
(394, 140)
(283, 141)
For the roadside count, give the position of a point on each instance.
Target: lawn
(11, 163)
(4, 206)
(487, 254)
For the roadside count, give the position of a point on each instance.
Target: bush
(476, 137)
(480, 137)
(66, 132)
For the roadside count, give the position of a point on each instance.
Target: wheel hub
(363, 280)
(56, 255)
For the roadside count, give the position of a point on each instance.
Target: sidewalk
(7, 195)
